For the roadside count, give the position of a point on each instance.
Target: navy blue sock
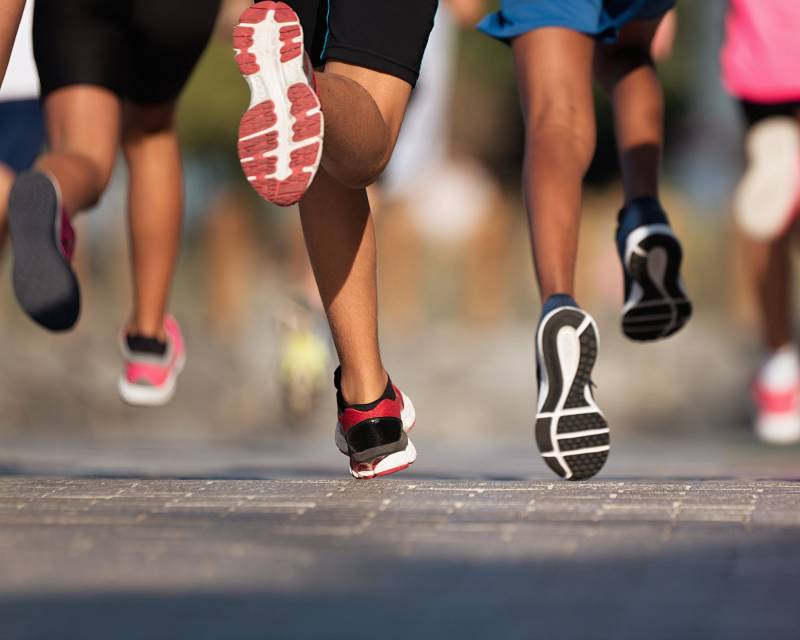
(557, 300)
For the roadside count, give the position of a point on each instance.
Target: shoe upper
(66, 235)
(777, 401)
(150, 362)
(637, 213)
(776, 392)
(373, 425)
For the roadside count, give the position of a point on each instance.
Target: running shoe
(571, 432)
(375, 436)
(776, 392)
(43, 243)
(151, 366)
(767, 199)
(656, 304)
(280, 135)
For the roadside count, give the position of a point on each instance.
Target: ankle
(147, 330)
(363, 387)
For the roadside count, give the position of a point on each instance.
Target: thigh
(84, 120)
(554, 74)
(390, 93)
(636, 34)
(630, 50)
(81, 42)
(167, 39)
(388, 36)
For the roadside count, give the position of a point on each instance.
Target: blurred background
(457, 296)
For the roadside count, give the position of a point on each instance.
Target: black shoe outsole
(585, 465)
(44, 282)
(657, 315)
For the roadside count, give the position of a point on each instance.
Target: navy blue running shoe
(656, 304)
(571, 432)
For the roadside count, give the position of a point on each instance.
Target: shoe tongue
(143, 344)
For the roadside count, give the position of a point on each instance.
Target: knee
(143, 122)
(564, 122)
(361, 176)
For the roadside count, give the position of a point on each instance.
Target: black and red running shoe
(375, 436)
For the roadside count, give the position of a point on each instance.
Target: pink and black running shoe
(151, 366)
(280, 135)
(375, 436)
(44, 244)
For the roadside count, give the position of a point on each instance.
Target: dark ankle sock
(558, 300)
(143, 344)
(388, 393)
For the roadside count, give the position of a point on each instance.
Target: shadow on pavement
(729, 591)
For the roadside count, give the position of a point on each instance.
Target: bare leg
(10, 14)
(363, 112)
(625, 70)
(554, 74)
(155, 201)
(6, 180)
(83, 133)
(770, 275)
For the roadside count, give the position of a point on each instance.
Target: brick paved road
(453, 555)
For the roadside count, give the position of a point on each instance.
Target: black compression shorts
(384, 35)
(141, 50)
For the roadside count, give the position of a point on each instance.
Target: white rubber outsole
(280, 136)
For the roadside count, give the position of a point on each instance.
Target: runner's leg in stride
(555, 48)
(369, 53)
(89, 108)
(759, 64)
(656, 304)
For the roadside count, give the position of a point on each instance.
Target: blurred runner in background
(761, 68)
(21, 126)
(367, 55)
(556, 45)
(110, 77)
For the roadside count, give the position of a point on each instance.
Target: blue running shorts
(21, 133)
(601, 19)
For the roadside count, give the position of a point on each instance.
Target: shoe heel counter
(373, 433)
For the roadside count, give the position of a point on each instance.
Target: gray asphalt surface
(172, 540)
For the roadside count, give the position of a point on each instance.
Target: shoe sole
(387, 464)
(766, 201)
(280, 134)
(44, 283)
(571, 432)
(657, 305)
(139, 395)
